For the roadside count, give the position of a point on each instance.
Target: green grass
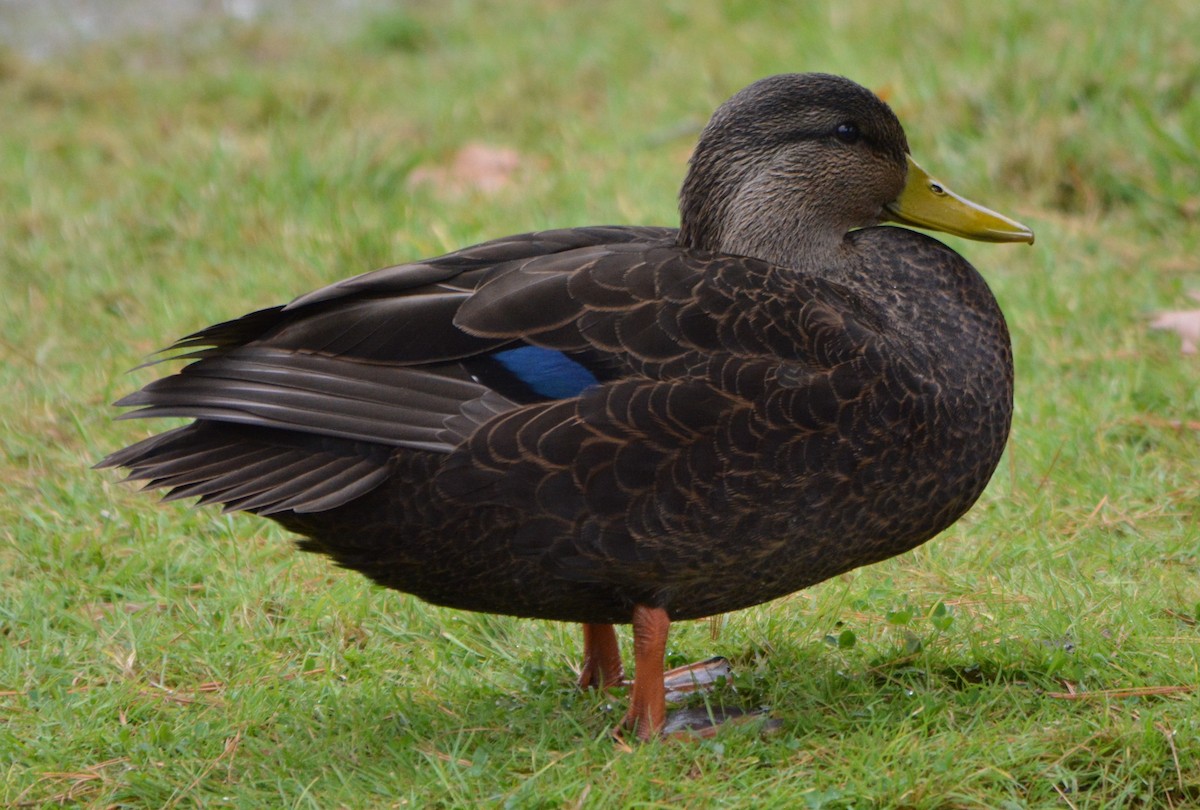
(160, 656)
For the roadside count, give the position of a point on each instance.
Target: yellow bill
(927, 203)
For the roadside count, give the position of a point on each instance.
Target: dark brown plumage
(614, 424)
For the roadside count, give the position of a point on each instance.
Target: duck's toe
(702, 722)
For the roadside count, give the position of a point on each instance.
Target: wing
(379, 357)
(374, 360)
(603, 380)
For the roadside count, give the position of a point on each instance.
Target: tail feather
(261, 470)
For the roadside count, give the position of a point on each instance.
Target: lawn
(1043, 652)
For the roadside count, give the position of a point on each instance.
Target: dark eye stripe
(847, 132)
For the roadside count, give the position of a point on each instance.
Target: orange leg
(647, 700)
(601, 658)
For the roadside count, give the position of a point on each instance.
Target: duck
(627, 425)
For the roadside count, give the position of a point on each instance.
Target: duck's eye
(848, 132)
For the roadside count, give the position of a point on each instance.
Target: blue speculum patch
(547, 372)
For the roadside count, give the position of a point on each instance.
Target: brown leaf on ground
(476, 167)
(1183, 322)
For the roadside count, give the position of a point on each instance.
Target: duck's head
(790, 164)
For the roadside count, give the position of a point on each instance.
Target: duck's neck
(785, 239)
(750, 217)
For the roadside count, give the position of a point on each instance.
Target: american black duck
(628, 424)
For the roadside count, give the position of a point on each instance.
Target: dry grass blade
(1118, 694)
